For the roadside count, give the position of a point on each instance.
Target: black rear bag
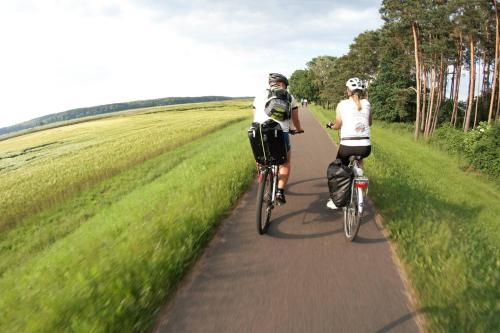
(268, 143)
(339, 182)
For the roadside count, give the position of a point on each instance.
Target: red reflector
(361, 184)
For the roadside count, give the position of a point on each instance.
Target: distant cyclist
(278, 84)
(354, 119)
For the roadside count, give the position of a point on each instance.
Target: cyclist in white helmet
(353, 119)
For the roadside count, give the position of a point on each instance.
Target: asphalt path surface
(302, 276)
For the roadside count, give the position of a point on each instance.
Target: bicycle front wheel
(264, 201)
(352, 216)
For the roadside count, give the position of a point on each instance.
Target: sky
(64, 54)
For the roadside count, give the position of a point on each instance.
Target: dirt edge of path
(410, 291)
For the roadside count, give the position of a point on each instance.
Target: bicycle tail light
(361, 183)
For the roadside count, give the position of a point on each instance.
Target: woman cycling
(353, 119)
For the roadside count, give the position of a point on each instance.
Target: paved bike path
(300, 277)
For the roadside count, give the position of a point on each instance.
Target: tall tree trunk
(497, 114)
(486, 71)
(468, 100)
(472, 84)
(431, 102)
(452, 83)
(456, 90)
(484, 84)
(495, 70)
(417, 78)
(425, 79)
(443, 78)
(478, 92)
(445, 82)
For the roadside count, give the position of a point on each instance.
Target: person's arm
(370, 118)
(295, 118)
(338, 119)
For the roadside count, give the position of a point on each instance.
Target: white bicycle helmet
(355, 84)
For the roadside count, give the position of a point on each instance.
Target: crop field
(43, 168)
(445, 224)
(102, 218)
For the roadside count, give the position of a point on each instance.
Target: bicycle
(266, 193)
(353, 211)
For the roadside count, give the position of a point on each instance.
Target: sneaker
(280, 198)
(331, 205)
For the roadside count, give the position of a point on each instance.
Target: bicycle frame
(354, 210)
(266, 197)
(359, 183)
(274, 170)
(267, 202)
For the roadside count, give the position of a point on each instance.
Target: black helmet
(277, 77)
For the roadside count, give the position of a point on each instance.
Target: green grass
(40, 169)
(106, 259)
(445, 223)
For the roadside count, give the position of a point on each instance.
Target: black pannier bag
(268, 143)
(339, 182)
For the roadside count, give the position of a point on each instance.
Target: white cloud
(66, 54)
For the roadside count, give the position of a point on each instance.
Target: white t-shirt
(354, 123)
(260, 116)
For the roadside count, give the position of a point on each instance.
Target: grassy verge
(113, 271)
(40, 169)
(445, 224)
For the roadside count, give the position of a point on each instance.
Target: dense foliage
(414, 64)
(480, 146)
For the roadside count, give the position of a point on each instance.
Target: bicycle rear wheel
(264, 201)
(352, 216)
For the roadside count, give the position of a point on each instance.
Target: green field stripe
(88, 153)
(113, 272)
(25, 241)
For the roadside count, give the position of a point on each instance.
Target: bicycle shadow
(322, 215)
(315, 208)
(290, 186)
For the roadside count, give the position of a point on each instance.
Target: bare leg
(284, 172)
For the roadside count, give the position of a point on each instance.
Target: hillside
(107, 108)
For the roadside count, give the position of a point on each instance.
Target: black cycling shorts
(346, 151)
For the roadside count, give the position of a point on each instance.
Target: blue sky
(64, 54)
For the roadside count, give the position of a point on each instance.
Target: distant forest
(107, 108)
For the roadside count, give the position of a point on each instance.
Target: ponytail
(356, 99)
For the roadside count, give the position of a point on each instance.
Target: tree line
(108, 108)
(414, 65)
